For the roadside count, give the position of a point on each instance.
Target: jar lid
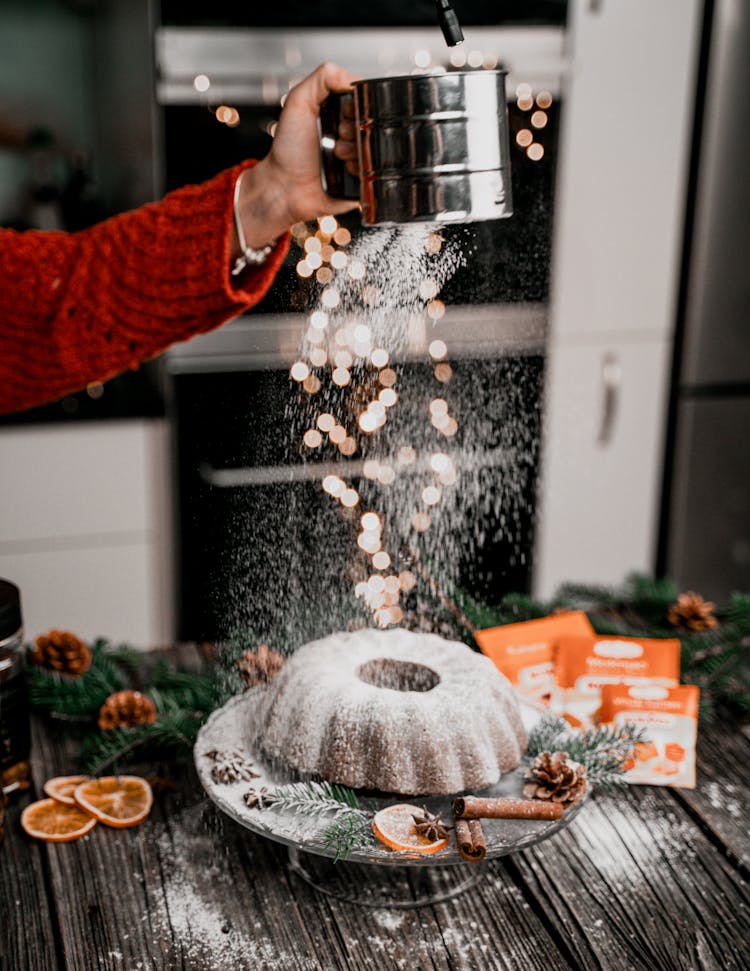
(10, 609)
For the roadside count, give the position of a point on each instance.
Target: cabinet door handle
(611, 384)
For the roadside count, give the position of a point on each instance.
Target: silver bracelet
(250, 256)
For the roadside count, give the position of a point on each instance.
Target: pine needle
(604, 750)
(351, 825)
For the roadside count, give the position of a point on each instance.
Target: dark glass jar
(15, 727)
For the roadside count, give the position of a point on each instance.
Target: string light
(539, 119)
(312, 245)
(443, 372)
(428, 289)
(326, 422)
(334, 486)
(342, 236)
(330, 297)
(337, 434)
(544, 99)
(524, 138)
(349, 498)
(379, 358)
(319, 320)
(312, 438)
(311, 384)
(381, 560)
(535, 151)
(421, 522)
(304, 269)
(299, 371)
(328, 224)
(431, 495)
(388, 397)
(387, 377)
(437, 349)
(341, 376)
(435, 309)
(407, 580)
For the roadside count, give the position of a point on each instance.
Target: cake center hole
(385, 672)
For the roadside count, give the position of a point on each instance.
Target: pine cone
(62, 651)
(693, 612)
(259, 667)
(126, 709)
(556, 778)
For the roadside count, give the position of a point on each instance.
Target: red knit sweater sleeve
(82, 307)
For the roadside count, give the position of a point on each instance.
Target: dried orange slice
(116, 800)
(55, 822)
(394, 826)
(62, 788)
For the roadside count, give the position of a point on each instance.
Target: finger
(338, 207)
(345, 150)
(347, 108)
(315, 88)
(347, 131)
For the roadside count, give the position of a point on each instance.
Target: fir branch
(347, 832)
(314, 798)
(78, 697)
(351, 825)
(172, 736)
(603, 750)
(182, 689)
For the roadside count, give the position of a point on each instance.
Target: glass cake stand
(372, 875)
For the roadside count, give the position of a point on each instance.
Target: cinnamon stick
(471, 807)
(470, 840)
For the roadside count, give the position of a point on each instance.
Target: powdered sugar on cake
(394, 711)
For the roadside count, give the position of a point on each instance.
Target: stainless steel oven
(257, 537)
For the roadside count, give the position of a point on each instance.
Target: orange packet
(583, 665)
(670, 718)
(524, 651)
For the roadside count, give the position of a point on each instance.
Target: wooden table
(654, 879)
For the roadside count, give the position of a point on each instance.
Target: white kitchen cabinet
(602, 461)
(619, 222)
(85, 526)
(624, 157)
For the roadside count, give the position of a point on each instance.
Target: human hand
(285, 187)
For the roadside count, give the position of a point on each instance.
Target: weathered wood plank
(490, 926)
(26, 916)
(721, 802)
(644, 880)
(634, 883)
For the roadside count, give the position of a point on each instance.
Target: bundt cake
(394, 711)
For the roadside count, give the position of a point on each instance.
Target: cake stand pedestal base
(379, 886)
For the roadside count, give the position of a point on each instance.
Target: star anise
(257, 798)
(430, 825)
(230, 767)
